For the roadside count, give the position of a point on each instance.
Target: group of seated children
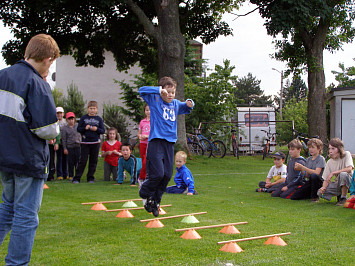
(311, 178)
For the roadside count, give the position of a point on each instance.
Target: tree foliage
(113, 117)
(296, 90)
(74, 101)
(214, 96)
(249, 91)
(346, 77)
(58, 97)
(307, 27)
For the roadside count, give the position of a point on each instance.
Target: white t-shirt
(277, 173)
(337, 164)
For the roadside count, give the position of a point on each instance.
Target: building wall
(94, 83)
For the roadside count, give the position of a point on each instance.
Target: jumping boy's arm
(148, 93)
(185, 107)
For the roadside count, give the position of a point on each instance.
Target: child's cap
(69, 114)
(60, 109)
(278, 155)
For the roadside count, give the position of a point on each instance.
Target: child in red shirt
(109, 151)
(143, 134)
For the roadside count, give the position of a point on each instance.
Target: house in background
(342, 116)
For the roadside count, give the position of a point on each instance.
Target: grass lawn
(71, 234)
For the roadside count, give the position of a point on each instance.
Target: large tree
(132, 30)
(307, 28)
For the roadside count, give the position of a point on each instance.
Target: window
(257, 120)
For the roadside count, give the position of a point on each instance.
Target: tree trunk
(317, 123)
(171, 54)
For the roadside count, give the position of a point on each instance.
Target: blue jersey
(163, 115)
(183, 179)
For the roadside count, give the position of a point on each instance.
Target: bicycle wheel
(206, 146)
(195, 148)
(218, 149)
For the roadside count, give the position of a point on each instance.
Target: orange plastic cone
(155, 224)
(45, 186)
(161, 211)
(125, 214)
(231, 247)
(98, 207)
(275, 240)
(190, 234)
(229, 229)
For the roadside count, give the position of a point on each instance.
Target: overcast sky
(249, 50)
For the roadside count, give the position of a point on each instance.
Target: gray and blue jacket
(27, 120)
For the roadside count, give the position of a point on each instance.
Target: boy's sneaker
(155, 209)
(148, 203)
(195, 192)
(75, 182)
(260, 190)
(341, 202)
(59, 178)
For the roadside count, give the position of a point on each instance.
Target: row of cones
(233, 247)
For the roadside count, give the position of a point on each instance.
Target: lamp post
(281, 91)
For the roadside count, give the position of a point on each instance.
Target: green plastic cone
(129, 204)
(190, 220)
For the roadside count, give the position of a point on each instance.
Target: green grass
(72, 234)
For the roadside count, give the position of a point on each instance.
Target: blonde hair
(339, 144)
(40, 47)
(92, 104)
(295, 143)
(316, 142)
(181, 154)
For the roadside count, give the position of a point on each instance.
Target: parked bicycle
(193, 147)
(235, 144)
(269, 136)
(215, 148)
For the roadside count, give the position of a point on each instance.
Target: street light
(282, 80)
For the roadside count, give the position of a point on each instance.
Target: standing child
(313, 172)
(129, 163)
(162, 137)
(294, 177)
(71, 139)
(91, 127)
(277, 173)
(62, 170)
(340, 165)
(110, 151)
(183, 178)
(143, 134)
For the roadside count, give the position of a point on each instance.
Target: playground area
(70, 233)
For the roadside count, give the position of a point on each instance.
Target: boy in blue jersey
(162, 137)
(130, 163)
(183, 178)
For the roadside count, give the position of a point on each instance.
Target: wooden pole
(174, 216)
(135, 208)
(208, 226)
(252, 238)
(110, 201)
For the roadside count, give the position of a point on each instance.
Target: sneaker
(195, 192)
(155, 209)
(148, 204)
(91, 182)
(75, 182)
(59, 178)
(341, 202)
(260, 190)
(316, 200)
(70, 178)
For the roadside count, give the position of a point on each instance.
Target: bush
(114, 118)
(74, 102)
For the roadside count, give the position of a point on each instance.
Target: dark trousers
(90, 151)
(270, 189)
(160, 160)
(175, 190)
(284, 194)
(61, 163)
(309, 189)
(73, 160)
(51, 163)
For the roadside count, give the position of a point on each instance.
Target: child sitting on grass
(129, 163)
(294, 178)
(183, 178)
(277, 173)
(340, 165)
(313, 172)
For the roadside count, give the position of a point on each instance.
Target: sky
(249, 50)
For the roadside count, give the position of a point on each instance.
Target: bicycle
(235, 144)
(193, 147)
(215, 148)
(266, 149)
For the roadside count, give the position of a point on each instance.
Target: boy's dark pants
(51, 163)
(87, 150)
(160, 160)
(270, 189)
(284, 194)
(73, 160)
(309, 189)
(61, 163)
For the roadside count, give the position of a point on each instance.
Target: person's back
(27, 120)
